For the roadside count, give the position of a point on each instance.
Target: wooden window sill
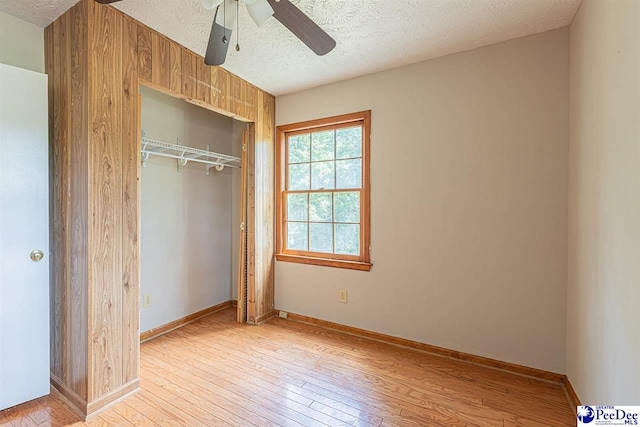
(325, 262)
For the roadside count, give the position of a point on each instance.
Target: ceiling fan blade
(107, 1)
(259, 10)
(217, 48)
(302, 27)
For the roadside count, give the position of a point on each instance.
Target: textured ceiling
(372, 35)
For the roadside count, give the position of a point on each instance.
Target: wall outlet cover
(284, 315)
(342, 296)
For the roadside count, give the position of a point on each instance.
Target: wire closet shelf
(184, 154)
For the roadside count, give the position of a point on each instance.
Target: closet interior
(192, 240)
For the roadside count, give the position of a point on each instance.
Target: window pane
(347, 239)
(299, 177)
(297, 207)
(321, 205)
(322, 175)
(349, 173)
(321, 238)
(297, 236)
(300, 148)
(347, 207)
(349, 143)
(322, 146)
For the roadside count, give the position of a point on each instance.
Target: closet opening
(193, 213)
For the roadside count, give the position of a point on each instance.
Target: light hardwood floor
(216, 372)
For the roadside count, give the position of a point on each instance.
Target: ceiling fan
(260, 11)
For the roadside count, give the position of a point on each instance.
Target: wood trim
(161, 330)
(85, 410)
(325, 262)
(194, 101)
(572, 396)
(281, 185)
(328, 121)
(252, 220)
(321, 255)
(265, 317)
(234, 303)
(428, 348)
(113, 398)
(70, 397)
(241, 315)
(331, 126)
(365, 202)
(360, 262)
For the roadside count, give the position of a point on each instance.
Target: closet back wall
(186, 216)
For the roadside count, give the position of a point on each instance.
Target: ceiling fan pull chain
(224, 21)
(238, 26)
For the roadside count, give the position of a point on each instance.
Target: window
(323, 192)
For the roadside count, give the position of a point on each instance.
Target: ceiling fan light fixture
(259, 10)
(227, 13)
(211, 4)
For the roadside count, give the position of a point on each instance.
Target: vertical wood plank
(130, 204)
(61, 192)
(175, 61)
(79, 194)
(189, 74)
(268, 233)
(145, 55)
(264, 204)
(105, 67)
(250, 101)
(203, 91)
(160, 60)
(235, 91)
(220, 88)
(56, 102)
(66, 64)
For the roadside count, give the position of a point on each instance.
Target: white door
(24, 230)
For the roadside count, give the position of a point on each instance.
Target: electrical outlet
(342, 297)
(146, 301)
(284, 314)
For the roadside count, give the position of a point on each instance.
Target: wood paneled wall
(262, 210)
(96, 58)
(66, 52)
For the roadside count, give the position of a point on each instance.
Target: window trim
(361, 262)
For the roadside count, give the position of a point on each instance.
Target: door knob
(37, 255)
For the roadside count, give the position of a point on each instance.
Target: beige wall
(469, 203)
(186, 238)
(21, 43)
(603, 351)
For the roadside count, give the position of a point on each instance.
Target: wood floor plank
(243, 404)
(216, 372)
(405, 395)
(294, 401)
(230, 369)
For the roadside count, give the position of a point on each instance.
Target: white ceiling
(372, 35)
